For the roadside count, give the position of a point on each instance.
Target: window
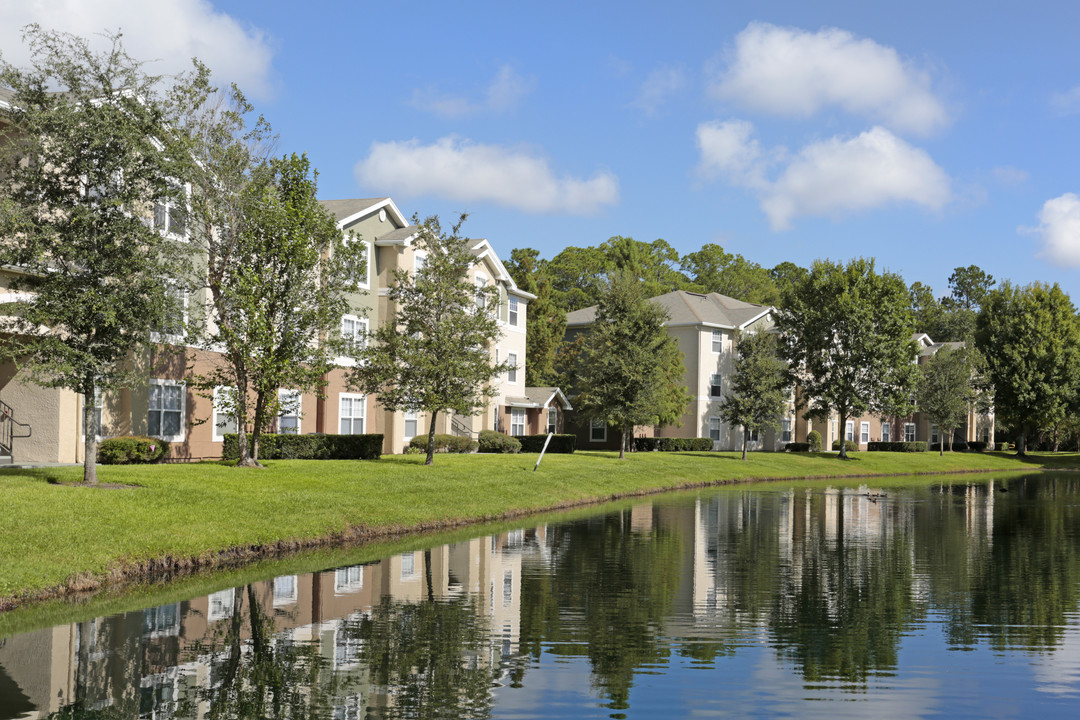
(785, 430)
(508, 587)
(169, 213)
(886, 432)
(754, 436)
(517, 421)
(161, 621)
(864, 433)
(165, 410)
(354, 331)
(717, 341)
(351, 414)
(513, 313)
(221, 605)
(553, 419)
(933, 434)
(285, 591)
(172, 327)
(349, 579)
(714, 429)
(224, 413)
(909, 432)
(481, 296)
(849, 431)
(408, 566)
(419, 262)
(511, 374)
(289, 404)
(412, 420)
(597, 431)
(716, 386)
(365, 280)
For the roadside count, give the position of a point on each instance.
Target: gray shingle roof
(342, 209)
(687, 308)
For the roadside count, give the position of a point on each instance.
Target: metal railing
(459, 427)
(10, 430)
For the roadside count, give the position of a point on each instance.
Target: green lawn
(52, 533)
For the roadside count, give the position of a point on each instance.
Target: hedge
(446, 444)
(493, 441)
(797, 447)
(131, 450)
(314, 446)
(564, 444)
(897, 446)
(957, 446)
(663, 444)
(851, 445)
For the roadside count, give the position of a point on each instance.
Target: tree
(432, 353)
(929, 315)
(631, 370)
(969, 287)
(1030, 337)
(653, 264)
(578, 276)
(759, 388)
(81, 164)
(947, 389)
(846, 333)
(545, 321)
(277, 296)
(711, 269)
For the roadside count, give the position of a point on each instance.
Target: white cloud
(506, 91)
(465, 171)
(1010, 176)
(832, 177)
(659, 87)
(1068, 102)
(791, 72)
(169, 31)
(1059, 226)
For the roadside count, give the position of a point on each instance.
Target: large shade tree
(89, 216)
(759, 388)
(949, 387)
(433, 354)
(1030, 337)
(846, 333)
(630, 368)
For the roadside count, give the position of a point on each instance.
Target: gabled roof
(481, 248)
(932, 348)
(347, 212)
(687, 308)
(540, 397)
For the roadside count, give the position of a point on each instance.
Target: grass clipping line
(673, 469)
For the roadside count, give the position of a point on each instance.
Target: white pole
(543, 450)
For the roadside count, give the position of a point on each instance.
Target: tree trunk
(622, 443)
(941, 443)
(745, 440)
(842, 428)
(431, 439)
(242, 440)
(90, 431)
(256, 432)
(1021, 444)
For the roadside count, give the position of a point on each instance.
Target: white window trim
(712, 341)
(712, 385)
(553, 414)
(513, 311)
(169, 205)
(281, 599)
(481, 282)
(216, 434)
(914, 432)
(719, 429)
(518, 413)
(365, 284)
(363, 406)
(419, 261)
(185, 302)
(347, 360)
(864, 433)
(788, 431)
(849, 431)
(886, 431)
(593, 425)
(405, 419)
(283, 393)
(512, 373)
(179, 437)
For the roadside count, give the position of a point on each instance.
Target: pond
(951, 598)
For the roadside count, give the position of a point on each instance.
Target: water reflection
(722, 603)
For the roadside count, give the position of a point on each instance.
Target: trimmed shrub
(446, 443)
(956, 447)
(797, 447)
(976, 446)
(897, 446)
(564, 444)
(131, 450)
(813, 439)
(646, 444)
(851, 445)
(309, 447)
(493, 441)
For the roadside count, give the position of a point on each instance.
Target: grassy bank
(57, 535)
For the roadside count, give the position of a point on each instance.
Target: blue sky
(927, 135)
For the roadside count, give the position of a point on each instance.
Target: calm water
(950, 600)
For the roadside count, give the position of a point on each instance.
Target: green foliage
(493, 441)
(759, 387)
(668, 444)
(432, 352)
(444, 444)
(131, 450)
(898, 446)
(947, 388)
(546, 321)
(81, 165)
(813, 438)
(309, 447)
(631, 370)
(578, 276)
(849, 445)
(561, 444)
(797, 447)
(846, 334)
(1030, 337)
(711, 269)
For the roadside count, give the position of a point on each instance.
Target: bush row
(797, 447)
(851, 445)
(131, 450)
(309, 447)
(673, 444)
(961, 446)
(445, 444)
(493, 441)
(897, 446)
(565, 444)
